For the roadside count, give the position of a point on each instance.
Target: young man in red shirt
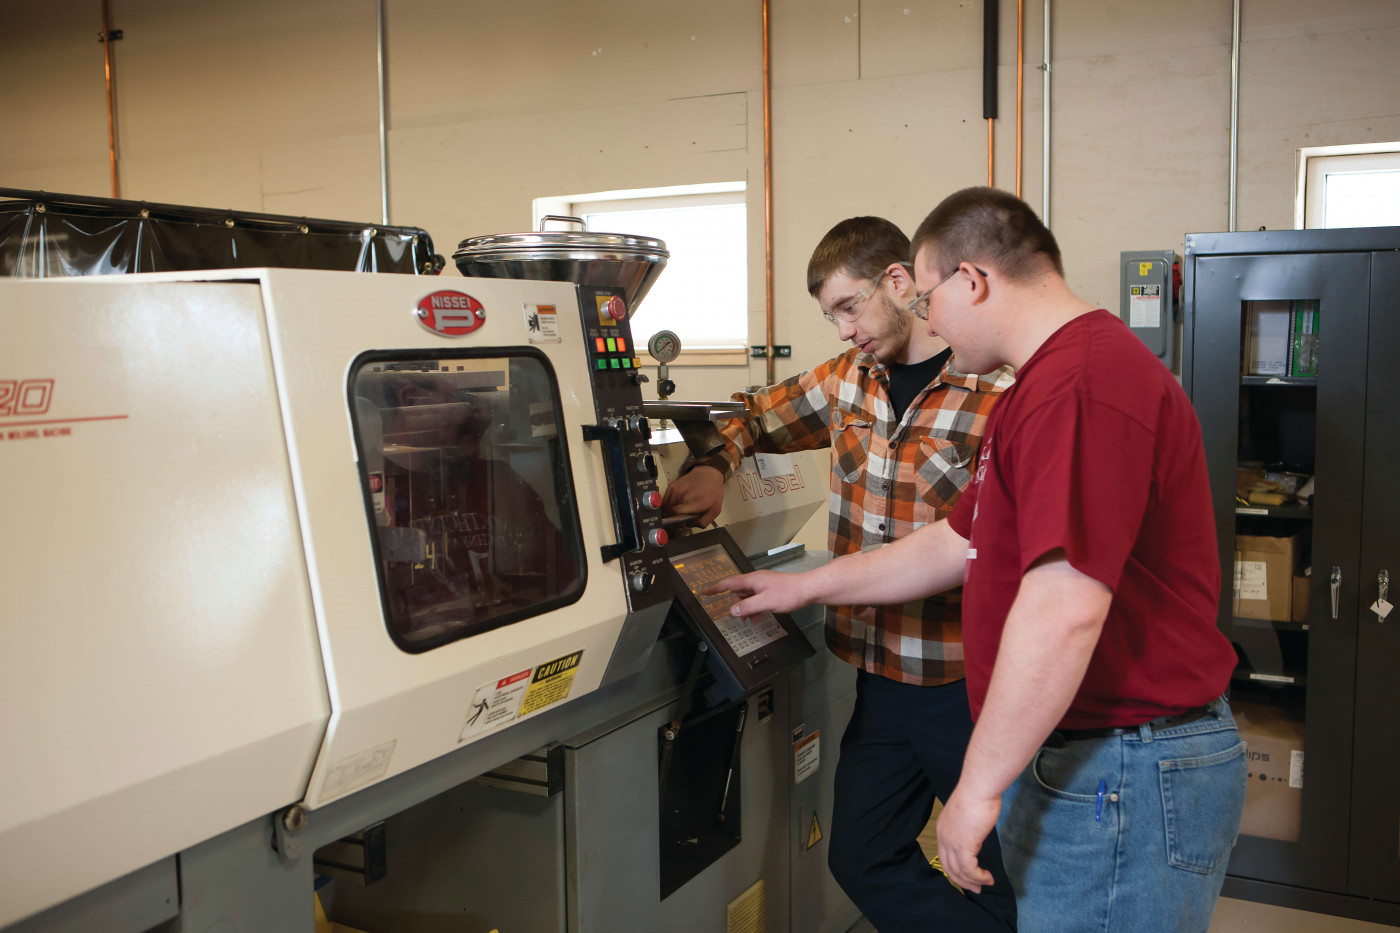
(1086, 550)
(903, 423)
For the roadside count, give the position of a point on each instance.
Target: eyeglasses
(919, 306)
(850, 309)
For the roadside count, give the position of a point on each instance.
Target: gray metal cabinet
(1318, 682)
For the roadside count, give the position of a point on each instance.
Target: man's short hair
(862, 247)
(986, 226)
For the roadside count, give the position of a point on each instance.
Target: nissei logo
(450, 313)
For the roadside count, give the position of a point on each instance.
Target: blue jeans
(903, 747)
(1149, 853)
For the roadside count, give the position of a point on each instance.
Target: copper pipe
(111, 101)
(991, 137)
(1020, 82)
(768, 204)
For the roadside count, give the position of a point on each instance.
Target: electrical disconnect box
(1147, 300)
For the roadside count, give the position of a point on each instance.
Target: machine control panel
(624, 432)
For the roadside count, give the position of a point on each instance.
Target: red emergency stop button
(651, 500)
(617, 308)
(658, 537)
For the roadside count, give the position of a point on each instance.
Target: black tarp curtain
(45, 235)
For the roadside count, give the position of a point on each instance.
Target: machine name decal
(450, 313)
(358, 770)
(753, 485)
(29, 399)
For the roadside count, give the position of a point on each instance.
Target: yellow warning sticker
(1144, 269)
(552, 682)
(814, 835)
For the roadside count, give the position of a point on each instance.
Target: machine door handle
(624, 518)
(1336, 591)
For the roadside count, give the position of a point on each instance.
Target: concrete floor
(1231, 916)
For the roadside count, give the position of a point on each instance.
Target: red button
(651, 500)
(602, 345)
(621, 345)
(658, 537)
(617, 307)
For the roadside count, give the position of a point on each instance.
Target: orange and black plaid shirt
(887, 478)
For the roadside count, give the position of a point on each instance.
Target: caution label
(552, 682)
(814, 835)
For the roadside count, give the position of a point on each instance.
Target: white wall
(271, 106)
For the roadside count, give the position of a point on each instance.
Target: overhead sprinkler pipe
(989, 81)
(770, 352)
(111, 97)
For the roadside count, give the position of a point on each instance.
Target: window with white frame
(703, 292)
(1348, 186)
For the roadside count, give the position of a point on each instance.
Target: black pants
(903, 747)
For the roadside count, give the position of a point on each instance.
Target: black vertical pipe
(989, 59)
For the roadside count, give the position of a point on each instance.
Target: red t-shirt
(1097, 450)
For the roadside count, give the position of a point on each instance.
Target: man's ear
(899, 273)
(977, 282)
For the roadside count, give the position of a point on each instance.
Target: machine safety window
(469, 492)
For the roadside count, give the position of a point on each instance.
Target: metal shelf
(1277, 625)
(1284, 678)
(1298, 512)
(1306, 381)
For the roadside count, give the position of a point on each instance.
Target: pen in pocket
(1098, 804)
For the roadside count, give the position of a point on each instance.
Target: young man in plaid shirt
(904, 426)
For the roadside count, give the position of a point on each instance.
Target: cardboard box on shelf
(1273, 800)
(1267, 334)
(1264, 577)
(1302, 599)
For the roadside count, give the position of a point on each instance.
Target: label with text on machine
(500, 702)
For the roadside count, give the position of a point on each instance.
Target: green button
(626, 363)
(614, 363)
(612, 344)
(602, 364)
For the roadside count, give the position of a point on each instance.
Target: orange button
(602, 345)
(621, 345)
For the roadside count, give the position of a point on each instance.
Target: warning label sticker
(1145, 306)
(551, 683)
(807, 756)
(542, 323)
(494, 705)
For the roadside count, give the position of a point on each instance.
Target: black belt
(1059, 737)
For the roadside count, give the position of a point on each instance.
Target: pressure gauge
(664, 346)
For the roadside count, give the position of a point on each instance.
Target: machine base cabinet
(591, 858)
(1290, 345)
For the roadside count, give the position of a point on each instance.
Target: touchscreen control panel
(744, 654)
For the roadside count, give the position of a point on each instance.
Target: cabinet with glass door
(1287, 355)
